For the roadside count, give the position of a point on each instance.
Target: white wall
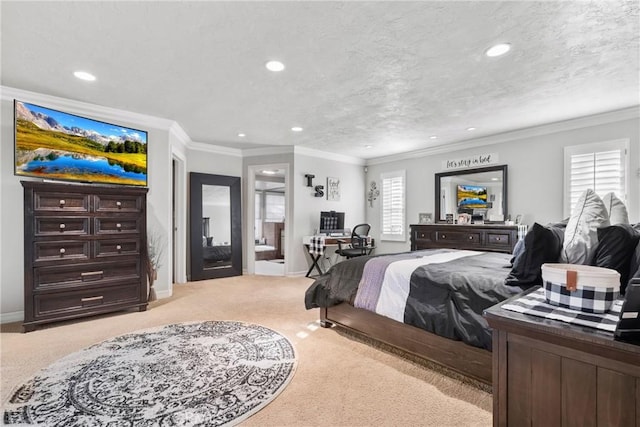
(307, 208)
(535, 174)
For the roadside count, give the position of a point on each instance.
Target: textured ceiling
(385, 74)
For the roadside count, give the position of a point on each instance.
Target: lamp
(373, 193)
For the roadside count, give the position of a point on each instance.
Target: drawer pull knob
(118, 247)
(444, 237)
(118, 225)
(470, 237)
(118, 204)
(62, 226)
(88, 299)
(62, 251)
(62, 203)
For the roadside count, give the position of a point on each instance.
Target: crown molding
(84, 109)
(556, 127)
(327, 155)
(267, 151)
(215, 149)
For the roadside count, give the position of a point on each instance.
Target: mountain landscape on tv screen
(472, 197)
(55, 145)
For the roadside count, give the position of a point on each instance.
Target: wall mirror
(215, 226)
(480, 192)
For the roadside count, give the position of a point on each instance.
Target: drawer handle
(470, 237)
(118, 247)
(88, 299)
(444, 237)
(118, 225)
(62, 226)
(62, 203)
(118, 204)
(91, 274)
(62, 251)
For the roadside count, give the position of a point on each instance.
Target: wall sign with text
(474, 161)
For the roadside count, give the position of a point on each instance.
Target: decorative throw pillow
(581, 234)
(617, 210)
(541, 244)
(634, 263)
(616, 245)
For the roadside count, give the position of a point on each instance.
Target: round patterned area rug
(205, 374)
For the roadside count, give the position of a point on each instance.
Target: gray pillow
(617, 210)
(581, 234)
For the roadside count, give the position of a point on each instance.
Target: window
(274, 209)
(599, 166)
(393, 206)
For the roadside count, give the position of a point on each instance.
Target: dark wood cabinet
(550, 373)
(84, 251)
(481, 237)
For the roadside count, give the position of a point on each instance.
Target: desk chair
(358, 246)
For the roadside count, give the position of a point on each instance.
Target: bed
(215, 256)
(446, 292)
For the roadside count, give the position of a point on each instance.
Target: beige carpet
(339, 381)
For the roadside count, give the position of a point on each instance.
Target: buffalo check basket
(580, 287)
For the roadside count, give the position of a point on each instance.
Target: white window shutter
(601, 167)
(393, 192)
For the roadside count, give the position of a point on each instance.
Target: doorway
(268, 220)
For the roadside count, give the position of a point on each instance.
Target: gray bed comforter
(443, 291)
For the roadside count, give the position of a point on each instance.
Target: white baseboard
(16, 316)
(164, 294)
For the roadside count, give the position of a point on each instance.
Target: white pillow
(617, 210)
(581, 234)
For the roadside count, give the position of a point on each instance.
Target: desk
(328, 241)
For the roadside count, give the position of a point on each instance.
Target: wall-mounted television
(51, 144)
(472, 197)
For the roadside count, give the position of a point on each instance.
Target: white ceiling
(386, 74)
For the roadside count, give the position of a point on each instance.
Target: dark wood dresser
(481, 237)
(551, 373)
(84, 251)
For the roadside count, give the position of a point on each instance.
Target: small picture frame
(449, 218)
(333, 189)
(464, 218)
(425, 218)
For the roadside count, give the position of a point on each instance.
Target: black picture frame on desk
(628, 328)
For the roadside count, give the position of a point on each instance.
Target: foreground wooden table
(549, 373)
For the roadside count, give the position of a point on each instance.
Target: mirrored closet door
(216, 226)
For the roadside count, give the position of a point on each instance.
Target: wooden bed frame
(472, 362)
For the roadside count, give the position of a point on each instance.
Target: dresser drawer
(59, 226)
(60, 202)
(468, 238)
(117, 203)
(500, 240)
(61, 250)
(69, 302)
(74, 275)
(105, 225)
(115, 247)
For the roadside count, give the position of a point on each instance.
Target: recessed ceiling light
(297, 129)
(498, 50)
(433, 137)
(471, 128)
(274, 66)
(269, 172)
(368, 146)
(83, 75)
(242, 135)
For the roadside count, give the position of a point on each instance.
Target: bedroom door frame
(250, 254)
